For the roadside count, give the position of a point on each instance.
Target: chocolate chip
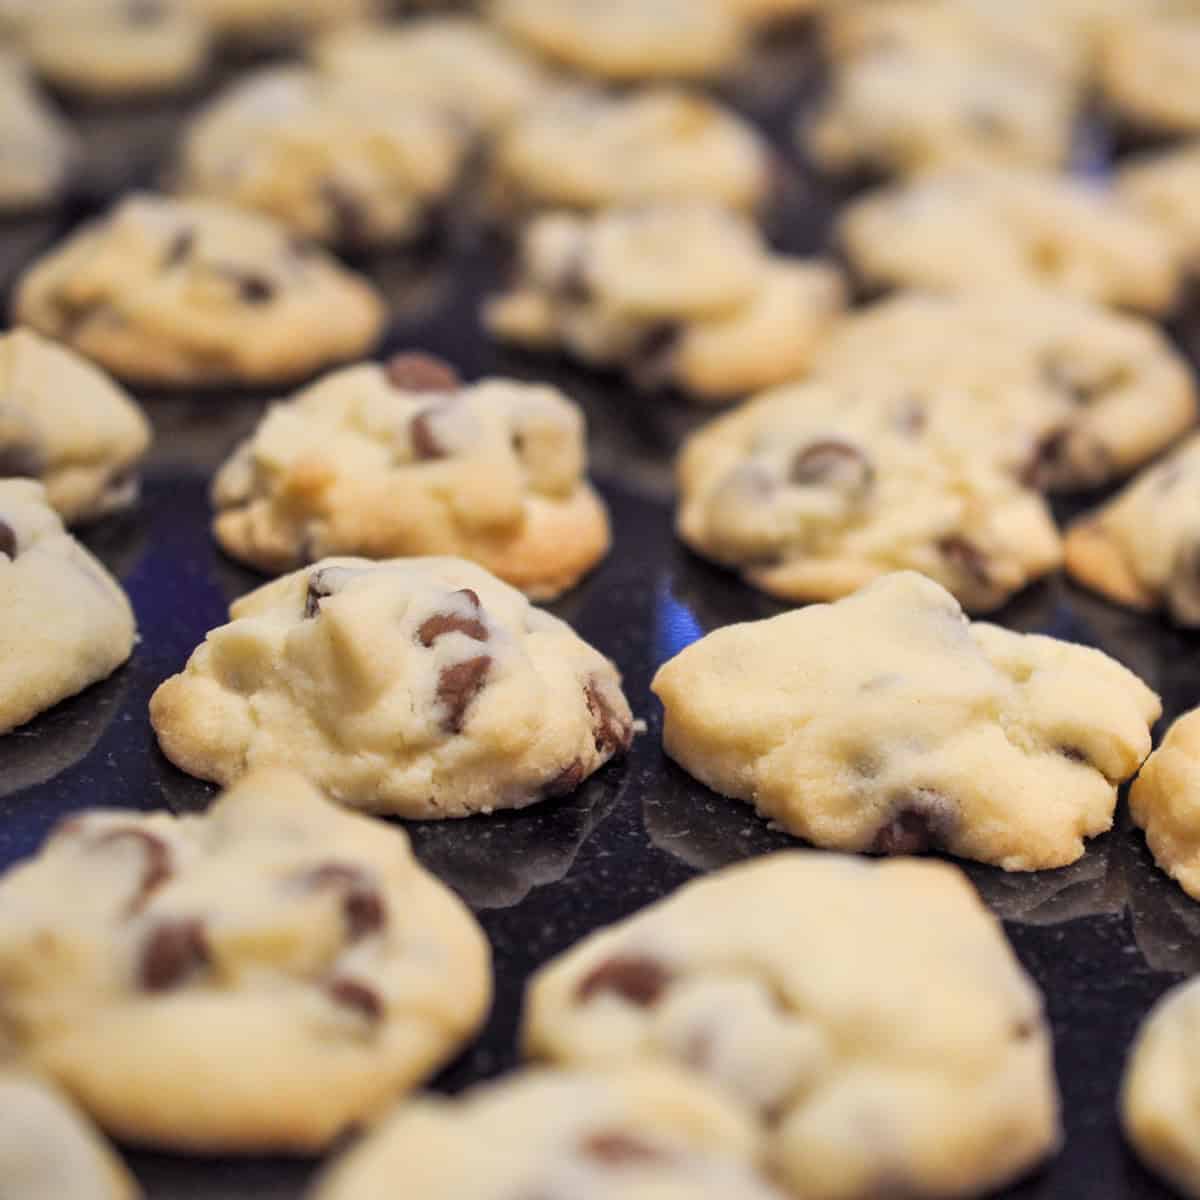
(8, 539)
(252, 288)
(912, 418)
(639, 980)
(832, 463)
(351, 226)
(156, 868)
(1074, 754)
(967, 559)
(349, 993)
(145, 12)
(1046, 464)
(922, 820)
(180, 248)
(1025, 1028)
(434, 627)
(416, 372)
(424, 441)
(171, 953)
(363, 907)
(328, 581)
(572, 286)
(652, 364)
(457, 686)
(611, 733)
(615, 1148)
(565, 782)
(24, 460)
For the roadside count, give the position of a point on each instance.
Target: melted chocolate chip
(173, 952)
(611, 733)
(317, 591)
(252, 288)
(157, 867)
(457, 686)
(180, 249)
(639, 980)
(8, 539)
(416, 372)
(363, 907)
(922, 820)
(832, 463)
(424, 441)
(434, 627)
(565, 782)
(349, 993)
(1047, 461)
(614, 1148)
(967, 559)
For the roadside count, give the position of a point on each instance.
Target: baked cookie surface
(419, 687)
(259, 978)
(888, 723)
(282, 22)
(951, 1058)
(1149, 68)
(687, 295)
(37, 148)
(191, 292)
(406, 459)
(1163, 187)
(64, 422)
(65, 623)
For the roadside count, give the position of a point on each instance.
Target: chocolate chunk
(424, 441)
(351, 226)
(434, 627)
(614, 1148)
(252, 288)
(921, 821)
(457, 686)
(157, 867)
(832, 463)
(416, 372)
(24, 460)
(652, 364)
(611, 733)
(1046, 464)
(8, 539)
(327, 582)
(180, 248)
(639, 980)
(967, 559)
(349, 993)
(173, 952)
(565, 782)
(363, 907)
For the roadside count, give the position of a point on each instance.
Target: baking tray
(1103, 938)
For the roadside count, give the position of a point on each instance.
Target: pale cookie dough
(64, 621)
(456, 64)
(37, 148)
(1063, 393)
(1142, 548)
(680, 294)
(1149, 71)
(117, 48)
(627, 40)
(765, 979)
(330, 159)
(1163, 187)
(1160, 1094)
(888, 723)
(66, 423)
(260, 978)
(957, 229)
(49, 1152)
(420, 687)
(585, 149)
(274, 22)
(191, 292)
(1165, 802)
(641, 1133)
(812, 490)
(406, 459)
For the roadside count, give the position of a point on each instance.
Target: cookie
(1142, 548)
(191, 292)
(282, 22)
(1163, 187)
(1158, 1094)
(326, 158)
(65, 623)
(680, 294)
(37, 149)
(887, 723)
(260, 978)
(634, 1134)
(49, 1152)
(584, 149)
(947, 1066)
(425, 62)
(406, 459)
(627, 40)
(420, 687)
(1063, 393)
(1148, 71)
(66, 423)
(813, 490)
(994, 228)
(111, 49)
(1165, 802)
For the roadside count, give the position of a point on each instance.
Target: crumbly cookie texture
(812, 490)
(65, 422)
(888, 723)
(328, 158)
(65, 623)
(406, 459)
(49, 1152)
(1149, 67)
(681, 294)
(627, 40)
(1142, 548)
(419, 687)
(638, 1133)
(117, 48)
(37, 149)
(275, 22)
(948, 1065)
(1158, 1095)
(191, 292)
(1163, 187)
(962, 228)
(259, 978)
(1165, 802)
(584, 149)
(1071, 394)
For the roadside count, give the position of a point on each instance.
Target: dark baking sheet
(1104, 938)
